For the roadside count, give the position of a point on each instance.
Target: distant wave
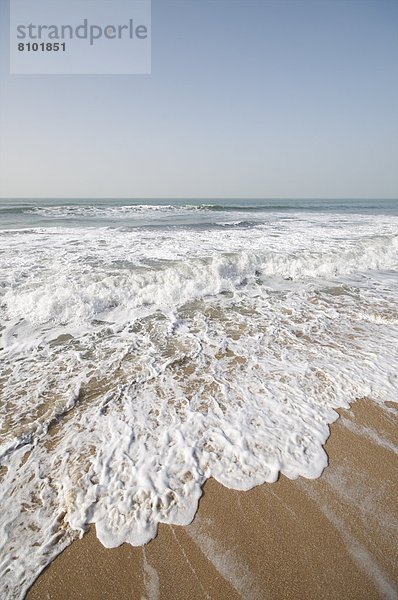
(68, 211)
(131, 209)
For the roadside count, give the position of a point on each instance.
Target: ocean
(147, 346)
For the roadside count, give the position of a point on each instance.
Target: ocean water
(147, 346)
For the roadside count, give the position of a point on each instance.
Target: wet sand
(335, 537)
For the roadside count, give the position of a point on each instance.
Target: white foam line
(370, 434)
(151, 579)
(267, 490)
(190, 565)
(225, 562)
(363, 559)
(361, 496)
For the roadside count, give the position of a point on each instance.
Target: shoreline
(335, 536)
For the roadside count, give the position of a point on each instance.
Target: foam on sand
(137, 364)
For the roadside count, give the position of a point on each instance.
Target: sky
(246, 99)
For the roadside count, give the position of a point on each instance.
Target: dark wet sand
(335, 537)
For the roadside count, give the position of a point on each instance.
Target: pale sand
(335, 537)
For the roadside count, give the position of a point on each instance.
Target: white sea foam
(76, 210)
(138, 363)
(99, 211)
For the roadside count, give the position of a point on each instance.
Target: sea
(147, 346)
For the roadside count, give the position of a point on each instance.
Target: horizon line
(198, 198)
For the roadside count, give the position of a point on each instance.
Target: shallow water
(147, 347)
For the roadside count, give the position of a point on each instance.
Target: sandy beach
(334, 537)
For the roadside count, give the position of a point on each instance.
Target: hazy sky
(247, 98)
